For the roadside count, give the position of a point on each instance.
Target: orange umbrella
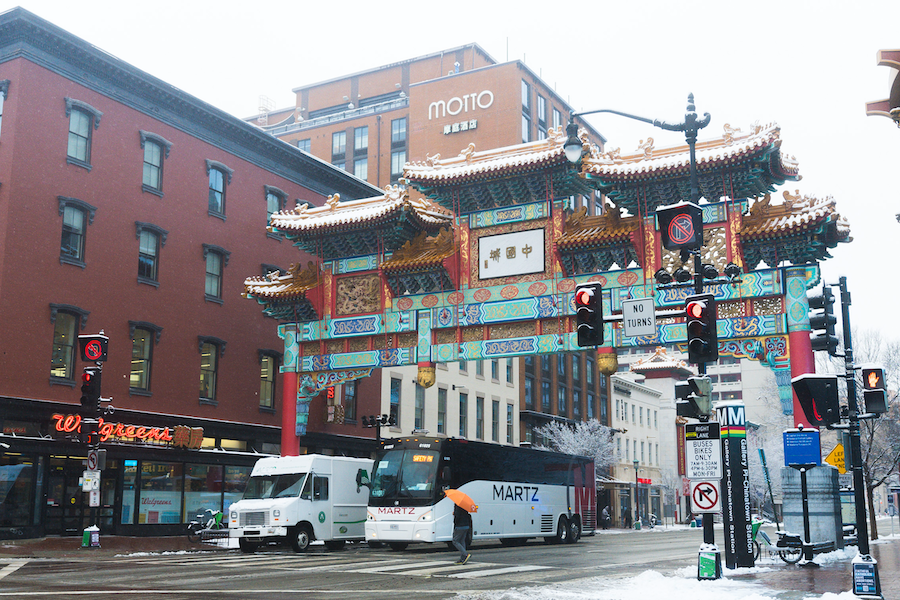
(462, 500)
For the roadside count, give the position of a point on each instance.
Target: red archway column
(290, 443)
(802, 361)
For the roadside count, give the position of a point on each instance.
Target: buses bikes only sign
(703, 451)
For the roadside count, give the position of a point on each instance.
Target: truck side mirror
(362, 479)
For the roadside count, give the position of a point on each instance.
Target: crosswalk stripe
(518, 569)
(397, 567)
(12, 567)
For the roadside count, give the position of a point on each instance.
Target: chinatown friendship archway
(484, 261)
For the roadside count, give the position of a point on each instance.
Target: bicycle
(208, 520)
(789, 546)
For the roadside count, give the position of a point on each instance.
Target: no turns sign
(705, 496)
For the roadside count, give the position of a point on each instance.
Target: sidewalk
(70, 547)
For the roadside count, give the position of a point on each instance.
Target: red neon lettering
(71, 423)
(129, 431)
(106, 431)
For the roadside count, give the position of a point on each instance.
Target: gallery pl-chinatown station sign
(179, 436)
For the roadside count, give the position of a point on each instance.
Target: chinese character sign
(509, 254)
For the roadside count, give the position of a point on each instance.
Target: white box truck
(298, 499)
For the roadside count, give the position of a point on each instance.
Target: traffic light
(589, 313)
(90, 389)
(818, 397)
(821, 324)
(90, 435)
(702, 337)
(873, 389)
(693, 398)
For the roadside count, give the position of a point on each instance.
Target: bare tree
(765, 434)
(586, 438)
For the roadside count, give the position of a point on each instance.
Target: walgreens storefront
(160, 470)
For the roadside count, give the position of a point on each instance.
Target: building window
(561, 401)
(641, 415)
(419, 422)
(4, 91)
(304, 145)
(73, 229)
(590, 406)
(479, 418)
(338, 146)
(509, 423)
(155, 149)
(526, 97)
(463, 415)
(479, 368)
(495, 369)
(529, 392)
(398, 159)
(463, 366)
(67, 321)
(275, 200)
(398, 132)
(83, 119)
(442, 411)
(268, 367)
(360, 141)
(150, 239)
(219, 178)
(557, 120)
(216, 260)
(395, 400)
(361, 168)
(526, 129)
(141, 359)
(211, 349)
(576, 404)
(509, 370)
(350, 395)
(545, 394)
(495, 421)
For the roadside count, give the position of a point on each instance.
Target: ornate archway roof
(800, 229)
(594, 243)
(359, 227)
(284, 295)
(736, 165)
(479, 180)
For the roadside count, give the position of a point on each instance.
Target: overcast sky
(808, 66)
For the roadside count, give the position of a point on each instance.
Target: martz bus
(520, 493)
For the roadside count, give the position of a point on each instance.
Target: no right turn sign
(705, 496)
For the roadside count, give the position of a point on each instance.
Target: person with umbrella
(462, 522)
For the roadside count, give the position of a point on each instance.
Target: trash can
(698, 521)
(91, 537)
(637, 525)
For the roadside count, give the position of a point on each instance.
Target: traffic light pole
(865, 568)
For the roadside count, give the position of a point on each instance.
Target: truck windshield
(406, 475)
(286, 485)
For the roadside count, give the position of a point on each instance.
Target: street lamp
(636, 505)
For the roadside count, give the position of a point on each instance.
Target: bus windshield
(287, 485)
(405, 475)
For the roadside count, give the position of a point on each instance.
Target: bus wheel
(301, 539)
(562, 532)
(398, 545)
(574, 531)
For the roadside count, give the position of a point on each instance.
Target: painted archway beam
(311, 385)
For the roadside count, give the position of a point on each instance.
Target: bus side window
(320, 488)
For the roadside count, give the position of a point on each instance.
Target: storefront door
(68, 510)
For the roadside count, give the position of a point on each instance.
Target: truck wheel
(398, 545)
(334, 544)
(302, 538)
(247, 547)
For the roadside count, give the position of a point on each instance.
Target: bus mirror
(445, 476)
(362, 479)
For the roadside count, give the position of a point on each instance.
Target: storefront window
(202, 489)
(161, 486)
(128, 490)
(16, 491)
(235, 482)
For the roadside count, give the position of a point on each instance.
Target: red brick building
(131, 207)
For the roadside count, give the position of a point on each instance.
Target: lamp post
(636, 494)
(691, 126)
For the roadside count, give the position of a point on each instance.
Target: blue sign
(801, 447)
